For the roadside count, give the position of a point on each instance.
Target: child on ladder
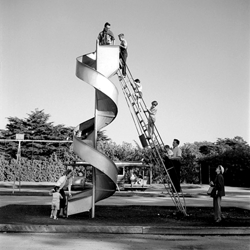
(151, 119)
(138, 92)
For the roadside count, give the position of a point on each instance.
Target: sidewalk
(36, 195)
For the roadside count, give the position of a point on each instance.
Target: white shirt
(63, 181)
(176, 152)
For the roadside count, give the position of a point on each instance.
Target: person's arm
(99, 38)
(69, 186)
(152, 111)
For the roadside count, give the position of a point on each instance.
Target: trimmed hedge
(31, 170)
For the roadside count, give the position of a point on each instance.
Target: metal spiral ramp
(95, 69)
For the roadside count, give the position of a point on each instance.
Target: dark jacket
(103, 37)
(219, 185)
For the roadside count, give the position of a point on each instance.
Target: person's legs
(216, 208)
(55, 213)
(138, 100)
(150, 127)
(149, 130)
(52, 211)
(62, 202)
(170, 168)
(174, 179)
(177, 176)
(219, 208)
(124, 57)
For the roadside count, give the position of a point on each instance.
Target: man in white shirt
(176, 150)
(174, 164)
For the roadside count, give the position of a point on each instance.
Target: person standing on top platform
(106, 37)
(123, 53)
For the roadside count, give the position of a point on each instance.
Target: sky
(192, 56)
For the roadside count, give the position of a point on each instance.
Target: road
(120, 242)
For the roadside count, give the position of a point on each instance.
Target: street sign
(19, 136)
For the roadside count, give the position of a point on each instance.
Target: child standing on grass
(55, 205)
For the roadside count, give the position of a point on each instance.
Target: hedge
(31, 170)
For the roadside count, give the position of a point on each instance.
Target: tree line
(199, 159)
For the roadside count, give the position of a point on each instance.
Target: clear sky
(192, 56)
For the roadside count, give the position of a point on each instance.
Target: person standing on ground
(65, 180)
(123, 53)
(55, 205)
(219, 186)
(151, 119)
(173, 164)
(106, 37)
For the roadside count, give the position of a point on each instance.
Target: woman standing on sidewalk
(219, 187)
(64, 180)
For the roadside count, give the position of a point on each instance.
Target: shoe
(51, 216)
(218, 221)
(55, 218)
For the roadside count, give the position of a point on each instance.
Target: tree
(190, 167)
(101, 137)
(234, 155)
(37, 127)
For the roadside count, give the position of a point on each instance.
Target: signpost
(19, 137)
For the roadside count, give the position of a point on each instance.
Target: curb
(9, 228)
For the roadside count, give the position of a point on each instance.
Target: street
(120, 241)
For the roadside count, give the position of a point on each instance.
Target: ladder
(140, 115)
